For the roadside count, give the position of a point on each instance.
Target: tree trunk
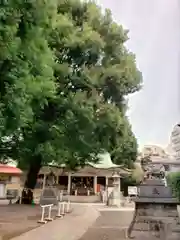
(27, 194)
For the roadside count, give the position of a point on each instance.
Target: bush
(133, 180)
(125, 183)
(137, 174)
(173, 180)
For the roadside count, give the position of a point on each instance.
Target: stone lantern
(115, 196)
(51, 179)
(116, 179)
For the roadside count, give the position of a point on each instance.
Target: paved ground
(85, 222)
(110, 225)
(17, 219)
(71, 227)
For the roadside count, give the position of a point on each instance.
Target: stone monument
(156, 215)
(49, 196)
(50, 193)
(116, 195)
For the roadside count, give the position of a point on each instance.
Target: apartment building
(153, 150)
(175, 140)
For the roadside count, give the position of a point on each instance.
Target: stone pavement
(71, 227)
(110, 225)
(16, 219)
(86, 222)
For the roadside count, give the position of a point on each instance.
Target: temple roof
(105, 162)
(5, 169)
(103, 167)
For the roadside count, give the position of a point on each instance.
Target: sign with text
(132, 191)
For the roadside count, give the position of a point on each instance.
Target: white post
(44, 181)
(61, 195)
(63, 208)
(69, 184)
(42, 216)
(43, 212)
(126, 232)
(49, 214)
(95, 185)
(68, 207)
(59, 210)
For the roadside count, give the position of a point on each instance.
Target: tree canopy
(65, 75)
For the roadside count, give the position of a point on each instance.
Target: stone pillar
(106, 190)
(69, 183)
(120, 183)
(57, 179)
(95, 185)
(44, 181)
(107, 181)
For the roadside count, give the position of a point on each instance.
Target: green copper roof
(104, 162)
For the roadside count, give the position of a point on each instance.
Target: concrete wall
(174, 168)
(84, 199)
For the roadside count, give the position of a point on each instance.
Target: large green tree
(26, 66)
(71, 102)
(92, 58)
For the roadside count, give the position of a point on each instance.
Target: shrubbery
(133, 180)
(173, 180)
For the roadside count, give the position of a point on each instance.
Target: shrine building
(87, 181)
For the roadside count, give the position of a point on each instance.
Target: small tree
(173, 180)
(133, 180)
(145, 161)
(137, 173)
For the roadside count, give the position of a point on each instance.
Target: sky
(154, 27)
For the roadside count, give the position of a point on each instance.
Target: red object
(98, 188)
(9, 169)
